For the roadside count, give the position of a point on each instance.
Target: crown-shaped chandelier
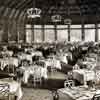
(67, 21)
(33, 12)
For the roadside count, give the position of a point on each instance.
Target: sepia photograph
(49, 49)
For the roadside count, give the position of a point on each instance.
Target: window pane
(49, 35)
(76, 26)
(49, 26)
(90, 26)
(37, 26)
(89, 34)
(28, 26)
(37, 35)
(62, 35)
(62, 26)
(28, 35)
(75, 35)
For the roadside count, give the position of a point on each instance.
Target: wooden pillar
(55, 28)
(24, 29)
(68, 32)
(96, 32)
(83, 32)
(8, 33)
(18, 33)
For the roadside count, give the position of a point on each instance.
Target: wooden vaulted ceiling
(66, 8)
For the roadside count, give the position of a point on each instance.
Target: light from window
(62, 35)
(75, 35)
(89, 34)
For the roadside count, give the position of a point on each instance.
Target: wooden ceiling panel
(20, 4)
(14, 3)
(12, 13)
(1, 10)
(7, 10)
(16, 14)
(24, 6)
(21, 14)
(75, 7)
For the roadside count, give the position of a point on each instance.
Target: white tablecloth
(89, 64)
(8, 53)
(53, 63)
(63, 58)
(36, 53)
(83, 75)
(77, 93)
(8, 61)
(15, 87)
(37, 70)
(24, 56)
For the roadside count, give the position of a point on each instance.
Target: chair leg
(9, 97)
(40, 81)
(34, 83)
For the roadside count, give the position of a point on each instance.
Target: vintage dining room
(49, 50)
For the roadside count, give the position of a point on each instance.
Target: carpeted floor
(54, 81)
(36, 94)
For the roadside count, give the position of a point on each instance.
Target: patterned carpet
(36, 94)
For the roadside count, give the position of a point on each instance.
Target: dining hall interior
(49, 50)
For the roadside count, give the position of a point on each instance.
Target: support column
(96, 32)
(68, 32)
(83, 32)
(8, 33)
(18, 33)
(55, 32)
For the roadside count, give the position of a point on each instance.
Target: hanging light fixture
(56, 18)
(33, 12)
(67, 21)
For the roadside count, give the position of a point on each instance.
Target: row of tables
(83, 75)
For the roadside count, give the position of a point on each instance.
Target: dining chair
(96, 97)
(37, 78)
(4, 92)
(69, 84)
(55, 95)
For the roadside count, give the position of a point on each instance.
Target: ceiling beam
(16, 14)
(16, 3)
(25, 4)
(1, 10)
(20, 15)
(11, 5)
(12, 13)
(20, 4)
(7, 10)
